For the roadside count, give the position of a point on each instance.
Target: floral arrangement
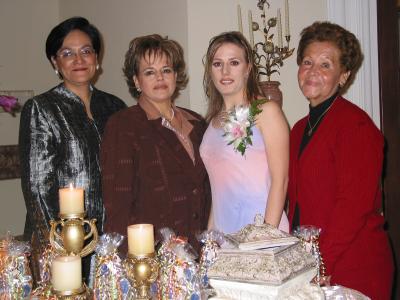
(238, 125)
(9, 104)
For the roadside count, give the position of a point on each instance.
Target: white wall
(23, 63)
(25, 24)
(120, 21)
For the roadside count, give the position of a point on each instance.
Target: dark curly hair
(216, 102)
(147, 46)
(350, 51)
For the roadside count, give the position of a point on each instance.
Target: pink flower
(237, 126)
(238, 132)
(9, 103)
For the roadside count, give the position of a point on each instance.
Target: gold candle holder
(269, 55)
(82, 293)
(142, 271)
(73, 235)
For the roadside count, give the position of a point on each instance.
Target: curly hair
(154, 45)
(216, 102)
(350, 50)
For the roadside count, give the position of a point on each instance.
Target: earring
(56, 71)
(138, 89)
(97, 67)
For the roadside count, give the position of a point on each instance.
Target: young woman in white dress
(253, 180)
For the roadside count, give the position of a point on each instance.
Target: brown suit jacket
(148, 177)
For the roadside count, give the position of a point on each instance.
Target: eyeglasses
(68, 54)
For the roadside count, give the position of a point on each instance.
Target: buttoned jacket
(336, 184)
(148, 176)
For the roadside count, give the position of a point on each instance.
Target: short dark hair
(350, 50)
(57, 35)
(215, 99)
(154, 44)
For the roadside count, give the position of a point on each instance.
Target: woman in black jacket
(60, 133)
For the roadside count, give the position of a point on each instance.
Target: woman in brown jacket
(151, 167)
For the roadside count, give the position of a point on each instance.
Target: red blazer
(336, 185)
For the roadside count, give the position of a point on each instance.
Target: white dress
(239, 184)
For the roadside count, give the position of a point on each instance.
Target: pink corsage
(238, 125)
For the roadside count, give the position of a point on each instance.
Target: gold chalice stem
(142, 271)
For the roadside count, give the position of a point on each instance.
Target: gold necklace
(310, 131)
(179, 131)
(164, 117)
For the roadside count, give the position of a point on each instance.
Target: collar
(153, 114)
(317, 111)
(151, 111)
(62, 90)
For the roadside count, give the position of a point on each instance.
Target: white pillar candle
(279, 29)
(140, 239)
(71, 200)
(287, 30)
(66, 273)
(239, 15)
(251, 35)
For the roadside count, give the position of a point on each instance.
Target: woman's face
(156, 78)
(76, 60)
(229, 71)
(320, 72)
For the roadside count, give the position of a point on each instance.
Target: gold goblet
(142, 271)
(73, 235)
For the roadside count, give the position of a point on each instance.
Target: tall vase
(271, 91)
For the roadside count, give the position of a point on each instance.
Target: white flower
(242, 114)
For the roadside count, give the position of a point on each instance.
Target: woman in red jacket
(336, 155)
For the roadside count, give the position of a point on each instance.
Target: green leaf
(241, 148)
